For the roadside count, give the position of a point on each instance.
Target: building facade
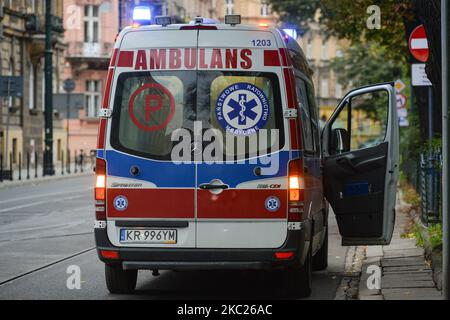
(91, 27)
(320, 50)
(22, 48)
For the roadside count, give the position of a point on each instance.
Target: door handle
(208, 186)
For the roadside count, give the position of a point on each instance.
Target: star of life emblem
(242, 109)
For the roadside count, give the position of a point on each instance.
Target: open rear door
(361, 157)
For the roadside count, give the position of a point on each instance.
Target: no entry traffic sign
(401, 100)
(418, 44)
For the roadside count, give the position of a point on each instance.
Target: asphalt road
(47, 227)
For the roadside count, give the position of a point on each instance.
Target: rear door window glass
(245, 108)
(240, 108)
(149, 108)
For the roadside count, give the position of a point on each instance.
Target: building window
(43, 86)
(93, 98)
(165, 9)
(324, 88)
(14, 150)
(59, 149)
(338, 90)
(264, 8)
(309, 49)
(229, 7)
(33, 6)
(91, 24)
(324, 50)
(32, 86)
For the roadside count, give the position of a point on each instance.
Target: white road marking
(38, 203)
(46, 195)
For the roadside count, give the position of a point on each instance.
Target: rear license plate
(153, 236)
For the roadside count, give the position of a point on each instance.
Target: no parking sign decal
(143, 114)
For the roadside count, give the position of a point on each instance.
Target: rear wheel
(299, 280)
(320, 260)
(120, 281)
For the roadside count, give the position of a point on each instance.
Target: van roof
(219, 26)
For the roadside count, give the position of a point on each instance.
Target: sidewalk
(405, 275)
(87, 171)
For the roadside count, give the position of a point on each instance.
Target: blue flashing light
(291, 33)
(142, 15)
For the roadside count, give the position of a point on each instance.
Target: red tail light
(100, 189)
(107, 254)
(284, 255)
(296, 190)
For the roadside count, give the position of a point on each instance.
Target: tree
(348, 19)
(366, 63)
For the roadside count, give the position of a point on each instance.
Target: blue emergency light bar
(291, 33)
(142, 15)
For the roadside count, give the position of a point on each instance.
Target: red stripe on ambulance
(126, 59)
(153, 203)
(114, 57)
(284, 57)
(235, 204)
(101, 134)
(271, 58)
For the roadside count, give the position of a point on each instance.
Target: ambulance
(211, 156)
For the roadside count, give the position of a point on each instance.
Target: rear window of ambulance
(236, 106)
(148, 108)
(246, 109)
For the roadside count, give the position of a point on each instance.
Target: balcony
(95, 55)
(35, 24)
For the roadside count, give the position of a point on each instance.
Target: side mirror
(340, 141)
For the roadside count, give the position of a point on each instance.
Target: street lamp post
(445, 151)
(69, 86)
(48, 152)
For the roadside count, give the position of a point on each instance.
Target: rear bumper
(208, 259)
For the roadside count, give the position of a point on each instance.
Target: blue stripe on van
(236, 173)
(166, 174)
(100, 153)
(163, 174)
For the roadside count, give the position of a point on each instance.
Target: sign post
(445, 152)
(401, 104)
(49, 169)
(69, 86)
(418, 46)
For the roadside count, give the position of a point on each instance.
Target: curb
(18, 183)
(349, 287)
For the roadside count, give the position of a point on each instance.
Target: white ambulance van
(211, 156)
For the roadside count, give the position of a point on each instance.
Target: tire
(299, 280)
(320, 260)
(119, 281)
